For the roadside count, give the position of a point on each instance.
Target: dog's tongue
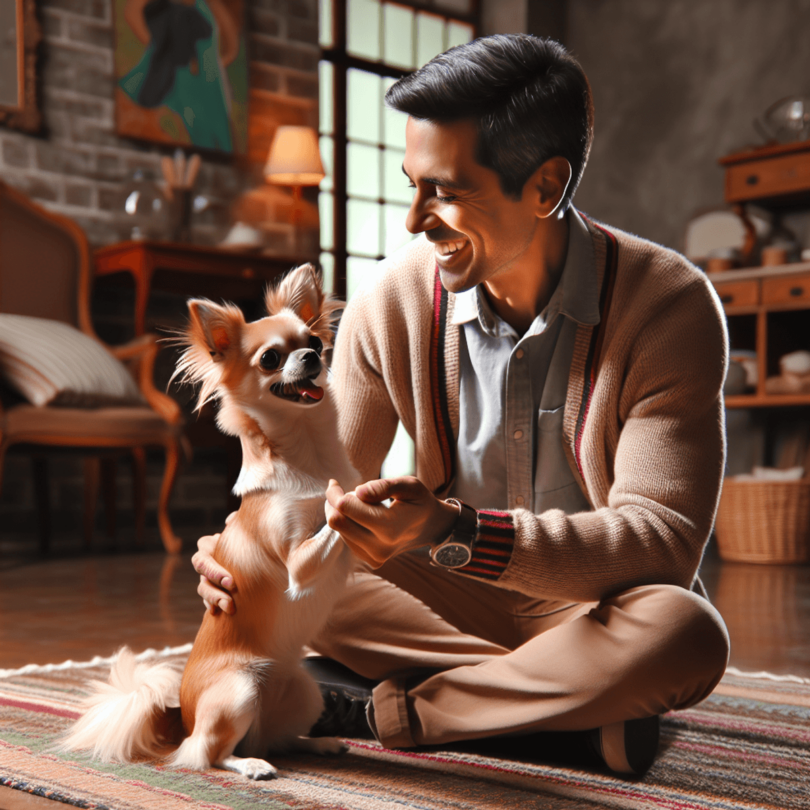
(312, 392)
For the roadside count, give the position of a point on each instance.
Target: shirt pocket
(555, 486)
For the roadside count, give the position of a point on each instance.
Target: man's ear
(550, 182)
(300, 290)
(217, 327)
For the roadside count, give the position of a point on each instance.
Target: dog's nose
(303, 363)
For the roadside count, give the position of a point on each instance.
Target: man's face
(478, 232)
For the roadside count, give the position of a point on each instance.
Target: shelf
(766, 400)
(745, 273)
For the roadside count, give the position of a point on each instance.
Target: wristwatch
(456, 550)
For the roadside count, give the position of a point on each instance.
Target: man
(562, 381)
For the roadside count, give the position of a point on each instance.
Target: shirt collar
(576, 295)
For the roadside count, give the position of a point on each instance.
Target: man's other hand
(375, 532)
(216, 584)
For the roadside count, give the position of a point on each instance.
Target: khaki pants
(461, 659)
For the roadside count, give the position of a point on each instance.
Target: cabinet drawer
(786, 289)
(768, 177)
(738, 293)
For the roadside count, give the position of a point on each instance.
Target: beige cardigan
(643, 424)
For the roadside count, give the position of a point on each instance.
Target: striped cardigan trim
(438, 382)
(493, 546)
(597, 338)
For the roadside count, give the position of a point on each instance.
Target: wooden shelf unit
(760, 293)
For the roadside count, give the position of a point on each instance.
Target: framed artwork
(182, 73)
(20, 34)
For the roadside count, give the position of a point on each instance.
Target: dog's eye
(269, 360)
(315, 343)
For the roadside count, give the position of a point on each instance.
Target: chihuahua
(244, 689)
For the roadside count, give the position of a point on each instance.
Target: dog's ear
(217, 327)
(211, 332)
(300, 290)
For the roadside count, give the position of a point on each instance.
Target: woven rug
(747, 746)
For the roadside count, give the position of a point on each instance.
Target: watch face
(452, 555)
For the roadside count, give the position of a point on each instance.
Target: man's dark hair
(529, 97)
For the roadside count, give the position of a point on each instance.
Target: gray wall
(676, 85)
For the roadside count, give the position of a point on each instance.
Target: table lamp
(294, 160)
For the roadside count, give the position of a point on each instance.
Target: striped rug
(747, 746)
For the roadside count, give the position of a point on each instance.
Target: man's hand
(375, 532)
(216, 584)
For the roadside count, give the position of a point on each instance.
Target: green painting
(181, 72)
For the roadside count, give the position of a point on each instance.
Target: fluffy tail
(136, 714)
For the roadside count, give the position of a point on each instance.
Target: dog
(243, 685)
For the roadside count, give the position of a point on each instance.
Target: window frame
(342, 61)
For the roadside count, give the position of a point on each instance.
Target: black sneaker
(346, 697)
(629, 747)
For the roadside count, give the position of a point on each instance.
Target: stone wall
(676, 86)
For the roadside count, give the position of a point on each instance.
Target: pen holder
(180, 214)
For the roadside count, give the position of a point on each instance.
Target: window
(364, 198)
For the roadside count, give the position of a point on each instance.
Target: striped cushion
(53, 363)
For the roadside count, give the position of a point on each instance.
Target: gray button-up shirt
(512, 392)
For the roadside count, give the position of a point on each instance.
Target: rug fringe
(33, 669)
(766, 676)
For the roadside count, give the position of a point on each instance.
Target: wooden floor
(79, 606)
(76, 606)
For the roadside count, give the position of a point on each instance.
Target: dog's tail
(136, 714)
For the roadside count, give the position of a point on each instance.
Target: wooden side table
(189, 269)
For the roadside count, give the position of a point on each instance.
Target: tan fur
(243, 683)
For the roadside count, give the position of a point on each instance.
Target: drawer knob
(727, 298)
(248, 272)
(752, 179)
(796, 292)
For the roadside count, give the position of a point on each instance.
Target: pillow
(53, 363)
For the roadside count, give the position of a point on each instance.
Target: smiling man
(562, 382)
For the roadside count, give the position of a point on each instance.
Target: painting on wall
(181, 73)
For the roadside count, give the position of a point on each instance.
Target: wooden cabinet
(768, 312)
(771, 176)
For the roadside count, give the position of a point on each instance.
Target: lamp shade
(294, 158)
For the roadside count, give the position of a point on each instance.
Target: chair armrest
(141, 353)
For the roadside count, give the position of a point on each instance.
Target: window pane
(325, 73)
(325, 23)
(357, 270)
(327, 147)
(458, 34)
(363, 178)
(396, 234)
(363, 32)
(429, 37)
(393, 122)
(327, 262)
(395, 183)
(398, 36)
(363, 226)
(365, 94)
(326, 203)
(400, 458)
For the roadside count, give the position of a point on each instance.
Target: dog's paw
(327, 746)
(250, 767)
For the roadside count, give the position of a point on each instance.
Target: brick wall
(78, 166)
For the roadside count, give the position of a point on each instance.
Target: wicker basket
(764, 521)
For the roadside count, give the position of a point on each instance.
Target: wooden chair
(45, 272)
